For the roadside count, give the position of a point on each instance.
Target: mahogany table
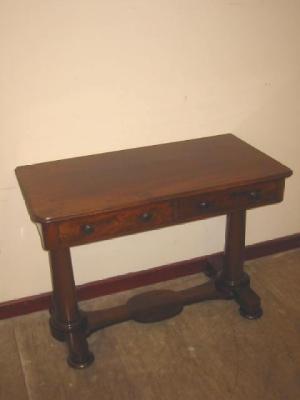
(97, 197)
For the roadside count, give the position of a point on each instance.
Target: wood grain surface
(12, 377)
(208, 351)
(117, 180)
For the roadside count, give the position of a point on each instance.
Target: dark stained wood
(272, 246)
(109, 225)
(207, 352)
(153, 306)
(233, 280)
(91, 290)
(66, 320)
(143, 218)
(134, 177)
(233, 272)
(87, 199)
(221, 202)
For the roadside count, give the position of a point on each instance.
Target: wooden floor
(207, 352)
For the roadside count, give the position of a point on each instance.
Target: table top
(60, 190)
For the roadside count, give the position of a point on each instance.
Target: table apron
(108, 225)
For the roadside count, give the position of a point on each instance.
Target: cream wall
(80, 77)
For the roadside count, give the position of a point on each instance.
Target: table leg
(233, 279)
(66, 321)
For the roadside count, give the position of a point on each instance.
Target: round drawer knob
(146, 216)
(88, 229)
(255, 195)
(203, 205)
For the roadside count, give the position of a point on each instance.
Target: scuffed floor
(207, 352)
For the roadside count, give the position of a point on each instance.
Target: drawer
(209, 204)
(105, 226)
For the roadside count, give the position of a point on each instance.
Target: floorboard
(208, 351)
(12, 379)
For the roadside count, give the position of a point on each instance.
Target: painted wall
(80, 77)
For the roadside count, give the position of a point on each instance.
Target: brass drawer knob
(88, 229)
(146, 216)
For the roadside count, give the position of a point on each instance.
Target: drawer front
(106, 226)
(210, 204)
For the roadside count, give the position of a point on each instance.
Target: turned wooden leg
(67, 322)
(233, 280)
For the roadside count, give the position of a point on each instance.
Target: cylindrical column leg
(66, 320)
(233, 280)
(233, 271)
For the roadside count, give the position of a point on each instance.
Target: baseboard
(143, 278)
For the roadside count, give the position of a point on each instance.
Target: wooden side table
(97, 197)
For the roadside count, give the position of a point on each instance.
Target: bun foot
(78, 363)
(252, 314)
(249, 302)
